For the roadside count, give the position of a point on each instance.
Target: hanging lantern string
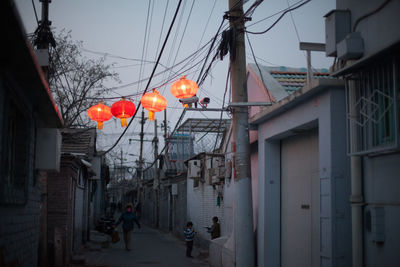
(135, 94)
(151, 77)
(130, 97)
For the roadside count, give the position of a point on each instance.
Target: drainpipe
(356, 200)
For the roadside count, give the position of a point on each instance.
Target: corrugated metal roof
(202, 125)
(79, 141)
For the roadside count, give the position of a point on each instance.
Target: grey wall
(148, 205)
(179, 203)
(381, 189)
(164, 208)
(327, 112)
(379, 30)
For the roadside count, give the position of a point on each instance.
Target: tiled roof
(79, 141)
(283, 81)
(292, 79)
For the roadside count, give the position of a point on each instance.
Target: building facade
(304, 177)
(366, 45)
(28, 113)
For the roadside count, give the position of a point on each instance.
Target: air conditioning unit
(194, 169)
(48, 149)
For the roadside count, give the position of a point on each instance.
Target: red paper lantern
(184, 88)
(100, 113)
(123, 109)
(153, 102)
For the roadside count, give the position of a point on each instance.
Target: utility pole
(44, 38)
(165, 132)
(156, 181)
(243, 213)
(122, 159)
(140, 167)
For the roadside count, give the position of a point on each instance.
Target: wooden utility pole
(156, 181)
(165, 133)
(140, 167)
(243, 212)
(122, 177)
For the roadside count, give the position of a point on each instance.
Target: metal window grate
(372, 108)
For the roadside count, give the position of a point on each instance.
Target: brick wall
(19, 224)
(202, 207)
(61, 203)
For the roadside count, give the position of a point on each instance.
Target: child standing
(215, 229)
(189, 236)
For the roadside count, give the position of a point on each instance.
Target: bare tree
(76, 82)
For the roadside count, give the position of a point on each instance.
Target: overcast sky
(118, 27)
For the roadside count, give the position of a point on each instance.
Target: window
(17, 153)
(373, 108)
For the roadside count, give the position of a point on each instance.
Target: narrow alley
(150, 247)
(221, 133)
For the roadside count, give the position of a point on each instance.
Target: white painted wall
(326, 110)
(202, 207)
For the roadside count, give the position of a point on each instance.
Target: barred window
(373, 108)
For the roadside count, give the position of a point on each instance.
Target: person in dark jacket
(128, 218)
(215, 229)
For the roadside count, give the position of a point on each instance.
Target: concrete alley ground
(150, 247)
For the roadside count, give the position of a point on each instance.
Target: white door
(300, 201)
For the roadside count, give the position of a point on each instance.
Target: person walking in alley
(215, 229)
(128, 218)
(189, 236)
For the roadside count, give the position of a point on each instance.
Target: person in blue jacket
(189, 236)
(128, 218)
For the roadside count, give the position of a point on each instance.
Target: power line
(34, 9)
(281, 16)
(162, 27)
(297, 32)
(174, 40)
(144, 44)
(205, 74)
(183, 35)
(263, 60)
(151, 76)
(106, 54)
(208, 21)
(294, 24)
(223, 103)
(194, 54)
(273, 15)
(258, 67)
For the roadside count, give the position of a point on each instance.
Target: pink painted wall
(256, 92)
